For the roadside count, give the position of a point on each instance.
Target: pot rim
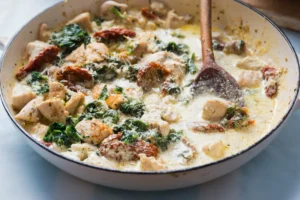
(152, 172)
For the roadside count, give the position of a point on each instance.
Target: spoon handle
(206, 38)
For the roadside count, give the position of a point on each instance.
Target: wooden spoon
(212, 78)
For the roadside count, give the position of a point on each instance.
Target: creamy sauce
(162, 112)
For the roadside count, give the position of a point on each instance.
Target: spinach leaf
(133, 107)
(69, 38)
(98, 21)
(105, 73)
(132, 129)
(62, 135)
(163, 142)
(111, 116)
(171, 88)
(118, 89)
(131, 73)
(104, 93)
(190, 63)
(39, 83)
(117, 11)
(235, 117)
(178, 49)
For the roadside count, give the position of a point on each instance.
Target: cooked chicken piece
(146, 148)
(83, 150)
(34, 48)
(215, 150)
(45, 56)
(96, 91)
(151, 163)
(158, 8)
(83, 20)
(114, 101)
(174, 21)
(44, 33)
(250, 79)
(113, 148)
(94, 52)
(170, 116)
(141, 49)
(94, 131)
(106, 9)
(151, 75)
(214, 110)
(21, 95)
(53, 110)
(57, 90)
(155, 121)
(39, 130)
(250, 63)
(30, 112)
(75, 101)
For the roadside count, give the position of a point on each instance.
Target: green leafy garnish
(105, 73)
(39, 83)
(133, 107)
(131, 73)
(62, 135)
(178, 35)
(118, 89)
(190, 64)
(132, 129)
(235, 117)
(163, 142)
(171, 88)
(104, 93)
(98, 21)
(70, 38)
(117, 11)
(178, 49)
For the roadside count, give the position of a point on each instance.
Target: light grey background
(274, 174)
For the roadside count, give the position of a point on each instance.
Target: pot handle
(3, 43)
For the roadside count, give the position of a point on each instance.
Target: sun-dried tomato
(146, 148)
(146, 12)
(45, 56)
(114, 33)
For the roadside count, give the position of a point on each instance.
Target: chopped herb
(104, 93)
(118, 89)
(105, 74)
(178, 35)
(133, 107)
(132, 129)
(117, 11)
(170, 87)
(62, 135)
(163, 142)
(69, 38)
(178, 49)
(111, 116)
(39, 83)
(235, 117)
(131, 73)
(99, 21)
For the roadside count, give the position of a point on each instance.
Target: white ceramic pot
(224, 13)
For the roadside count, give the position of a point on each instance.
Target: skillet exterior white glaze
(234, 13)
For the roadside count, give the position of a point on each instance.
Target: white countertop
(273, 174)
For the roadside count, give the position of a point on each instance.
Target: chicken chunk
(170, 116)
(159, 8)
(113, 148)
(94, 131)
(250, 63)
(53, 110)
(38, 130)
(214, 110)
(151, 163)
(83, 150)
(83, 20)
(21, 95)
(96, 91)
(215, 150)
(155, 121)
(114, 101)
(44, 33)
(30, 112)
(75, 101)
(34, 48)
(250, 79)
(106, 9)
(141, 49)
(57, 90)
(174, 21)
(94, 52)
